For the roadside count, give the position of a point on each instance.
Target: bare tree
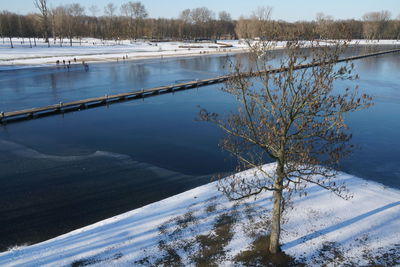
(242, 28)
(185, 19)
(224, 16)
(60, 22)
(44, 11)
(136, 11)
(109, 12)
(225, 24)
(2, 26)
(262, 13)
(31, 28)
(375, 24)
(139, 14)
(397, 27)
(294, 117)
(324, 25)
(262, 25)
(201, 17)
(53, 26)
(74, 13)
(258, 25)
(9, 22)
(93, 10)
(21, 32)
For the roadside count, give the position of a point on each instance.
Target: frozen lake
(63, 172)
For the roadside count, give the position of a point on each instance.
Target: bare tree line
(131, 21)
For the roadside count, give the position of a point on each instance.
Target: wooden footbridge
(33, 113)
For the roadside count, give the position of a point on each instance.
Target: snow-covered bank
(96, 50)
(321, 227)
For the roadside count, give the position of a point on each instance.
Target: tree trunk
(276, 223)
(276, 211)
(47, 38)
(46, 33)
(30, 42)
(11, 42)
(136, 29)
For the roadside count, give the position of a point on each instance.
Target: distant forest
(131, 21)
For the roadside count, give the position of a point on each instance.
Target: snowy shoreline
(370, 221)
(95, 50)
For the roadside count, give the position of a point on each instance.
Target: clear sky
(289, 10)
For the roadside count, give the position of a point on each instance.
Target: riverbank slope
(201, 223)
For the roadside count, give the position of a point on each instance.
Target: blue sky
(290, 10)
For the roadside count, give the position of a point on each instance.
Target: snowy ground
(95, 50)
(202, 225)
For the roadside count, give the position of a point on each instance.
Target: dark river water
(63, 172)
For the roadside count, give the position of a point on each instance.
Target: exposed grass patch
(332, 254)
(383, 257)
(186, 220)
(211, 208)
(143, 261)
(253, 226)
(171, 258)
(259, 255)
(172, 242)
(94, 260)
(212, 245)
